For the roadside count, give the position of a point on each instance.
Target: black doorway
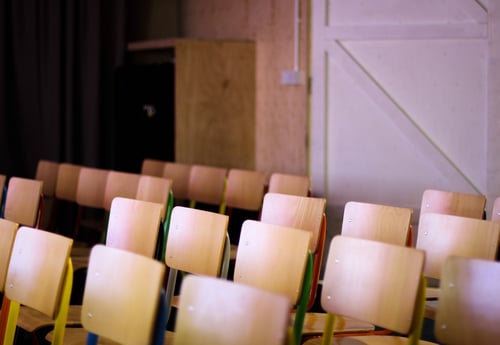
(143, 123)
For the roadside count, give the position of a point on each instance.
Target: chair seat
(80, 262)
(80, 251)
(78, 336)
(169, 338)
(314, 324)
(234, 251)
(367, 340)
(31, 320)
(432, 293)
(430, 309)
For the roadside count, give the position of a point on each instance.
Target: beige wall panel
(215, 103)
(281, 111)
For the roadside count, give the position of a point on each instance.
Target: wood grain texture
(215, 103)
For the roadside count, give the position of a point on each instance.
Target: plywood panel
(215, 103)
(281, 111)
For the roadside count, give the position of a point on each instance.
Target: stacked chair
(46, 171)
(24, 201)
(265, 319)
(8, 230)
(39, 277)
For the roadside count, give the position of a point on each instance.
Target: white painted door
(401, 100)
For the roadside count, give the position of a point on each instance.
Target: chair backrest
(289, 184)
(22, 204)
(159, 190)
(302, 212)
(245, 189)
(67, 181)
(441, 236)
(39, 277)
(152, 167)
(363, 281)
(495, 211)
(133, 225)
(3, 189)
(206, 185)
(196, 231)
(453, 203)
(91, 187)
(120, 184)
(468, 311)
(47, 171)
(179, 174)
(389, 224)
(196, 244)
(272, 257)
(8, 230)
(210, 312)
(276, 258)
(154, 189)
(122, 295)
(294, 211)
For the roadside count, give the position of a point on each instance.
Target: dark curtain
(57, 59)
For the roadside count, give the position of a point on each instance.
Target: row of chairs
(236, 192)
(351, 218)
(351, 283)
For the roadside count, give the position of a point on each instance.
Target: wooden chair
(363, 281)
(495, 211)
(8, 230)
(206, 187)
(289, 184)
(301, 212)
(90, 196)
(132, 225)
(453, 203)
(67, 181)
(152, 167)
(469, 308)
(154, 189)
(47, 171)
(441, 236)
(196, 243)
(384, 223)
(120, 184)
(122, 300)
(179, 174)
(277, 258)
(65, 197)
(3, 192)
(24, 201)
(159, 190)
(210, 312)
(40, 277)
(242, 200)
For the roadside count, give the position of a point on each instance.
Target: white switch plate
(292, 78)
